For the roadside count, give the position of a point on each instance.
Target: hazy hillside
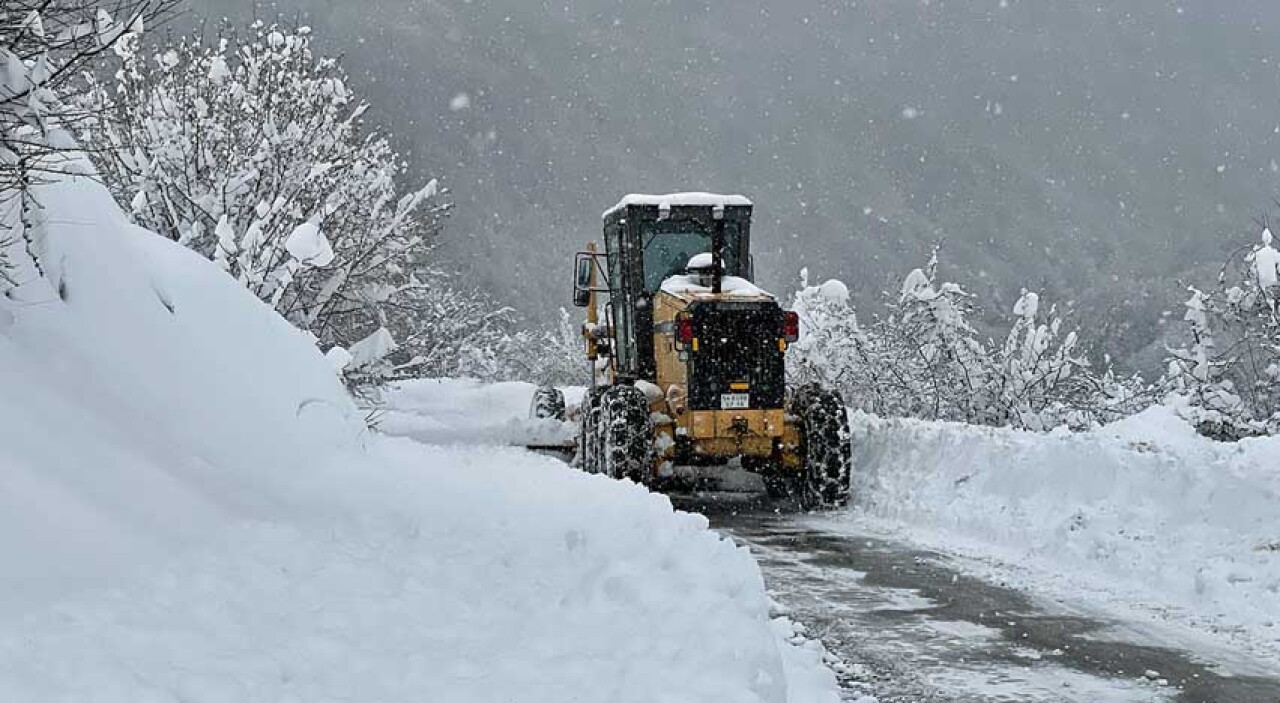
(1042, 141)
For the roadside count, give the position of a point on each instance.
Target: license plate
(735, 401)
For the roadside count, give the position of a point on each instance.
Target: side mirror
(582, 280)
(589, 276)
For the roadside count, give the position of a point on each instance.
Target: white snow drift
(468, 412)
(1144, 509)
(191, 510)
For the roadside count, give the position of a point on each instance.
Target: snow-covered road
(915, 625)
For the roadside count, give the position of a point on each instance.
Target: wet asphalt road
(912, 628)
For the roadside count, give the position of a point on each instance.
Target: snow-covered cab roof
(670, 200)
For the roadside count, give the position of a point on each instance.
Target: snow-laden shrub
(554, 356)
(1226, 379)
(1041, 379)
(449, 330)
(430, 327)
(925, 360)
(938, 351)
(253, 151)
(834, 351)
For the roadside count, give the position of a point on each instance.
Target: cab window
(668, 248)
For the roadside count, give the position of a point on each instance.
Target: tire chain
(828, 455)
(625, 437)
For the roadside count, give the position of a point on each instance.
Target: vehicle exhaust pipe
(717, 251)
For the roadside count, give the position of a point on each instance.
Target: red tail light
(790, 326)
(684, 329)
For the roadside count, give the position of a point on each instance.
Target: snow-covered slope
(1143, 511)
(145, 402)
(191, 509)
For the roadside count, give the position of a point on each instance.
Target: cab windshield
(667, 251)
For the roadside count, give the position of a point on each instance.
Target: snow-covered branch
(42, 44)
(1226, 379)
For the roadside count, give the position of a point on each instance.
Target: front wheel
(589, 418)
(624, 434)
(547, 404)
(826, 453)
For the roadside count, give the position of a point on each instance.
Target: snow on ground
(469, 412)
(1143, 515)
(192, 510)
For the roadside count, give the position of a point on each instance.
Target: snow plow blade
(563, 452)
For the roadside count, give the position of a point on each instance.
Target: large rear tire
(625, 434)
(826, 453)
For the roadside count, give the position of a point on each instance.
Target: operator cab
(669, 230)
(651, 238)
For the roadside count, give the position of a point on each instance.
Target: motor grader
(688, 356)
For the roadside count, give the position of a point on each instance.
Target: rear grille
(737, 346)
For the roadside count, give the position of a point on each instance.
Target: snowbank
(1168, 517)
(191, 509)
(468, 412)
(145, 402)
(434, 574)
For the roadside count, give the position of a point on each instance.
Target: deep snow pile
(1144, 507)
(191, 510)
(467, 411)
(145, 402)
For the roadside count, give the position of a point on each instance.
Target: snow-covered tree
(43, 43)
(253, 151)
(836, 352)
(928, 327)
(1200, 377)
(902, 365)
(1226, 380)
(1038, 380)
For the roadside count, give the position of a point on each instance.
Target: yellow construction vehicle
(688, 356)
